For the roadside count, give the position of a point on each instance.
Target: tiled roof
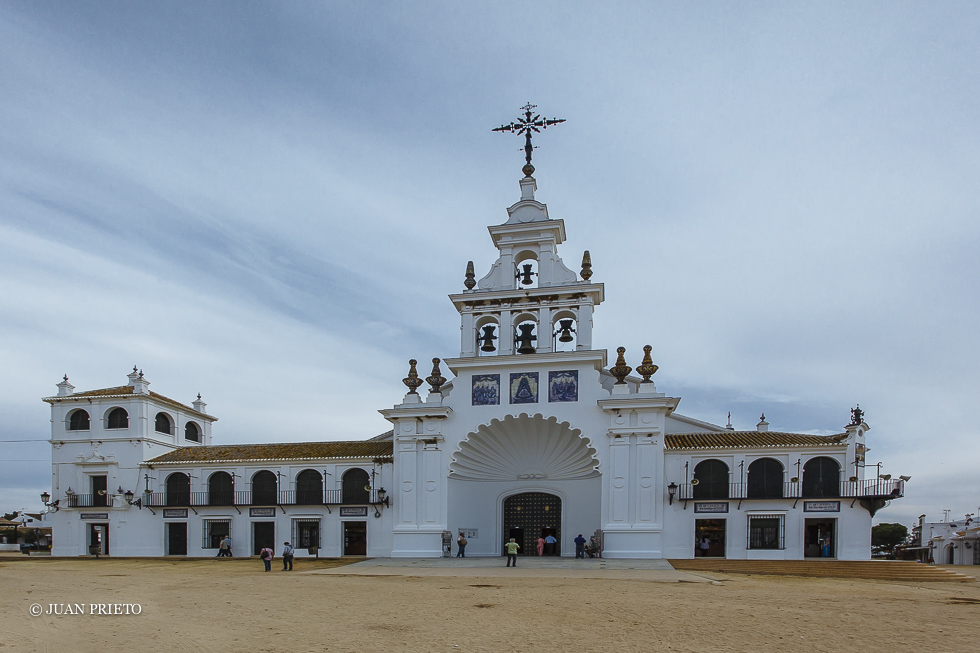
(127, 390)
(281, 451)
(749, 440)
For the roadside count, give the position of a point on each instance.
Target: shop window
(767, 531)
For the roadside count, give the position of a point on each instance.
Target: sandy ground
(231, 605)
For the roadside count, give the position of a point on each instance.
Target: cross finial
(530, 123)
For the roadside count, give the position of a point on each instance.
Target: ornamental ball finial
(436, 379)
(620, 370)
(470, 282)
(647, 368)
(586, 272)
(412, 380)
(528, 170)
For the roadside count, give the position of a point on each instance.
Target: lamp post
(671, 491)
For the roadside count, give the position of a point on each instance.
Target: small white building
(950, 543)
(535, 435)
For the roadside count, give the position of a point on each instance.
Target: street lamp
(671, 491)
(45, 497)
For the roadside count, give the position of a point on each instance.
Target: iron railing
(90, 500)
(252, 498)
(875, 488)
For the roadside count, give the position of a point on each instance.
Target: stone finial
(729, 425)
(586, 272)
(470, 282)
(199, 405)
(621, 370)
(436, 380)
(412, 380)
(647, 368)
(857, 416)
(763, 425)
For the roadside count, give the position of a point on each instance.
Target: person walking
(540, 546)
(228, 547)
(222, 548)
(267, 555)
(461, 545)
(579, 546)
(549, 545)
(287, 557)
(512, 548)
(705, 544)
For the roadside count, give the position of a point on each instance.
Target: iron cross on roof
(527, 125)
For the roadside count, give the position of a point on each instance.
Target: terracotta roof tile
(281, 451)
(749, 440)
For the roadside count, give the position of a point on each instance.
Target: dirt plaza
(473, 605)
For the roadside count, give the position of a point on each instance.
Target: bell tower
(529, 302)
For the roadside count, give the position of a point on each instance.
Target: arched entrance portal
(531, 515)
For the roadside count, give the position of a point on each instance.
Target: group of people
(224, 548)
(267, 555)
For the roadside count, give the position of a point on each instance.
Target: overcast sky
(268, 203)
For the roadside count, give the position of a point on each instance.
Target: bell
(524, 276)
(566, 331)
(525, 339)
(487, 338)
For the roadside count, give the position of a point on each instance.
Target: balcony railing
(867, 489)
(90, 500)
(252, 498)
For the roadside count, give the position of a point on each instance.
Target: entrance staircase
(869, 569)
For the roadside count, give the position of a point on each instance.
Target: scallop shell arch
(525, 448)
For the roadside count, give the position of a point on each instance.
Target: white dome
(524, 447)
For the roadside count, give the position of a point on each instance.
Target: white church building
(535, 435)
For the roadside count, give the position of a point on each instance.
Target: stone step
(871, 569)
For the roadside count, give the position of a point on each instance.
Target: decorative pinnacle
(198, 396)
(436, 380)
(66, 378)
(134, 369)
(412, 380)
(621, 370)
(857, 416)
(470, 282)
(647, 368)
(527, 125)
(586, 272)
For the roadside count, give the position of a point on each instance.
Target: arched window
(821, 478)
(765, 479)
(309, 488)
(221, 489)
(356, 482)
(118, 419)
(178, 489)
(163, 424)
(712, 480)
(264, 489)
(191, 432)
(78, 421)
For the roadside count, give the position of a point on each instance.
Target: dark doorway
(355, 538)
(712, 530)
(98, 541)
(819, 538)
(177, 539)
(100, 491)
(263, 535)
(530, 515)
